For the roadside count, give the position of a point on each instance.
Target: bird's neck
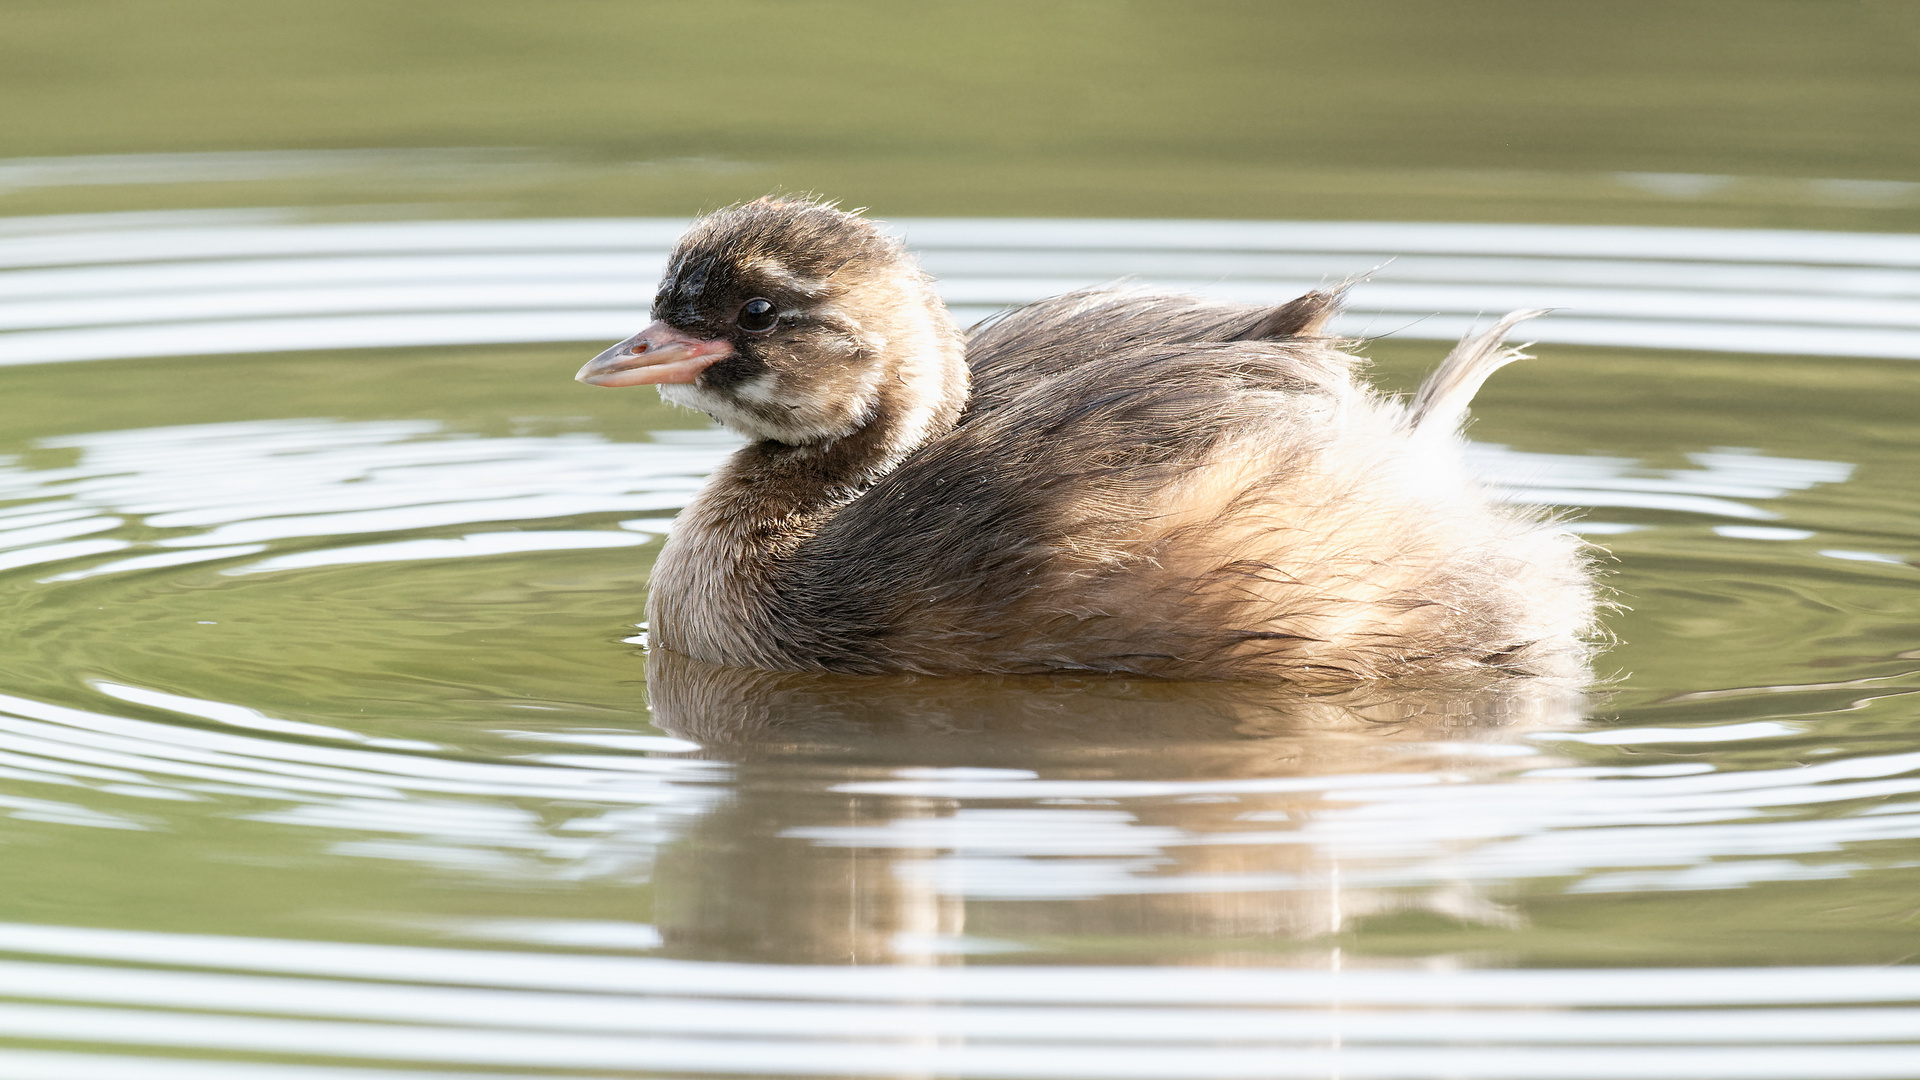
(916, 393)
(716, 589)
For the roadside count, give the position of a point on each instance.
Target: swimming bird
(1112, 480)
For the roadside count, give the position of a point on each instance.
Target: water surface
(327, 748)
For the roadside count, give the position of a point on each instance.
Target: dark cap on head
(799, 247)
(792, 321)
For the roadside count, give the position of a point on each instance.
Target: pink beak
(658, 354)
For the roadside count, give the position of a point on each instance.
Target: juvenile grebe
(1109, 480)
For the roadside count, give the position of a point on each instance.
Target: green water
(451, 652)
(459, 679)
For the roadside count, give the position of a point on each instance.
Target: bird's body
(1109, 481)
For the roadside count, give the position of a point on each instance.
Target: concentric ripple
(80, 288)
(453, 1008)
(327, 752)
(300, 488)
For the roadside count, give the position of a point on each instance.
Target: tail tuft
(1441, 405)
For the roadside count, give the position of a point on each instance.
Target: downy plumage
(1110, 480)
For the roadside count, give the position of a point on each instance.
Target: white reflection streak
(627, 292)
(238, 486)
(463, 547)
(59, 552)
(160, 561)
(118, 742)
(60, 1065)
(1003, 984)
(246, 275)
(1668, 831)
(455, 1006)
(581, 280)
(437, 1005)
(812, 1056)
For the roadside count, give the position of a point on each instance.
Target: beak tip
(658, 354)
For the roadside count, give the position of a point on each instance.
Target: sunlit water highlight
(451, 1007)
(310, 657)
(156, 285)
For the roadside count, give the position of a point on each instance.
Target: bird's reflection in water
(903, 819)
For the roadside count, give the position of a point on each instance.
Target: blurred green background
(1791, 113)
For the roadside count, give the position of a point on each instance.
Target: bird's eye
(757, 316)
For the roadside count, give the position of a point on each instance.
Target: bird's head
(792, 321)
